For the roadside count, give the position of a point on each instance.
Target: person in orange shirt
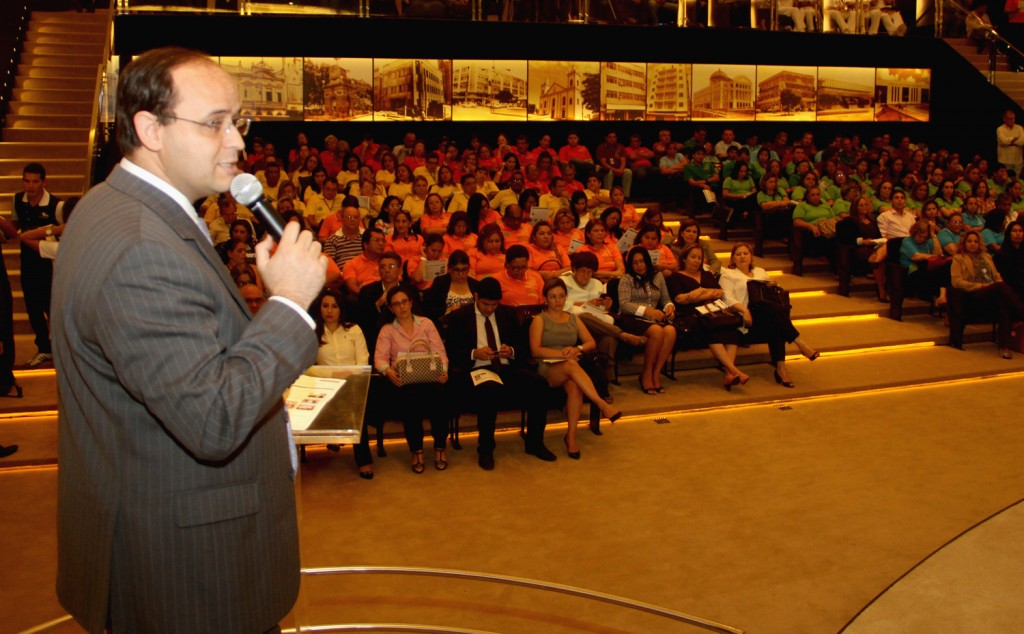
(566, 230)
(545, 256)
(649, 237)
(403, 241)
(513, 228)
(363, 268)
(434, 219)
(458, 237)
(571, 184)
(489, 256)
(572, 153)
(609, 260)
(433, 249)
(630, 218)
(519, 285)
(480, 213)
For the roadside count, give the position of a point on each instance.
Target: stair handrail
(992, 35)
(100, 89)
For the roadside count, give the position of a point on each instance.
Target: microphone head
(246, 189)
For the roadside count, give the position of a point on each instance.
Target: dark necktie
(492, 341)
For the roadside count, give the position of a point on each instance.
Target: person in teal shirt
(949, 237)
(973, 219)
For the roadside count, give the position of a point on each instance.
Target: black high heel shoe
(778, 379)
(17, 392)
(575, 455)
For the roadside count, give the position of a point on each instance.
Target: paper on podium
(307, 397)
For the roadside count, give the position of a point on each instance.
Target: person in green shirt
(811, 211)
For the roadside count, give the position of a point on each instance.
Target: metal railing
(99, 132)
(998, 43)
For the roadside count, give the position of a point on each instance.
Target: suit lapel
(174, 216)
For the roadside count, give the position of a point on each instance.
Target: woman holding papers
(557, 340)
(693, 289)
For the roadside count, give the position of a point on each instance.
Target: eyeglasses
(399, 303)
(223, 125)
(388, 267)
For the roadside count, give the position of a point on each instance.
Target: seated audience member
(610, 263)
(566, 231)
(598, 199)
(514, 227)
(974, 272)
(342, 343)
(649, 237)
(363, 268)
(571, 184)
(304, 176)
(949, 236)
(702, 176)
(412, 402)
(227, 213)
(402, 240)
(630, 217)
(253, 296)
(612, 164)
(373, 311)
(335, 221)
(546, 257)
(416, 269)
(947, 201)
(555, 199)
(270, 178)
(558, 334)
(576, 155)
(452, 290)
(347, 242)
(416, 201)
(429, 170)
(330, 157)
(312, 186)
(519, 285)
(640, 161)
(236, 257)
(509, 168)
(927, 279)
(480, 213)
(860, 231)
(1010, 258)
(486, 336)
(886, 13)
(612, 219)
(993, 234)
(460, 199)
(445, 187)
(509, 195)
(324, 204)
(739, 190)
(689, 233)
(588, 300)
(385, 176)
(672, 167)
(485, 185)
(402, 186)
(287, 191)
(896, 221)
(646, 310)
(489, 256)
(458, 237)
(767, 323)
(653, 216)
(385, 220)
(694, 286)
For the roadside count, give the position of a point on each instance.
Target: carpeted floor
(787, 518)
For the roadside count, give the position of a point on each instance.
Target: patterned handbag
(419, 367)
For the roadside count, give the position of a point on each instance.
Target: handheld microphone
(247, 190)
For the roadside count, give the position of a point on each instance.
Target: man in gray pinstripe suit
(176, 508)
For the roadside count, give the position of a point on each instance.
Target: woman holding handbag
(766, 318)
(693, 288)
(414, 381)
(646, 310)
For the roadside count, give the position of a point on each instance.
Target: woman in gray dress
(557, 340)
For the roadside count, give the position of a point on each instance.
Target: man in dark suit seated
(487, 337)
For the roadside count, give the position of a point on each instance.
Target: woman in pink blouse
(411, 403)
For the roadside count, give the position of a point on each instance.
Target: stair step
(71, 17)
(95, 39)
(71, 166)
(92, 58)
(57, 72)
(66, 107)
(66, 83)
(54, 182)
(52, 95)
(49, 121)
(45, 134)
(43, 151)
(33, 50)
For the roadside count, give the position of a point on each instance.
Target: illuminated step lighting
(8, 416)
(853, 351)
(800, 294)
(33, 373)
(835, 320)
(27, 468)
(775, 273)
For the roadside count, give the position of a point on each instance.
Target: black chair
(965, 310)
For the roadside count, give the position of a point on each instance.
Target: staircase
(49, 120)
(1006, 79)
